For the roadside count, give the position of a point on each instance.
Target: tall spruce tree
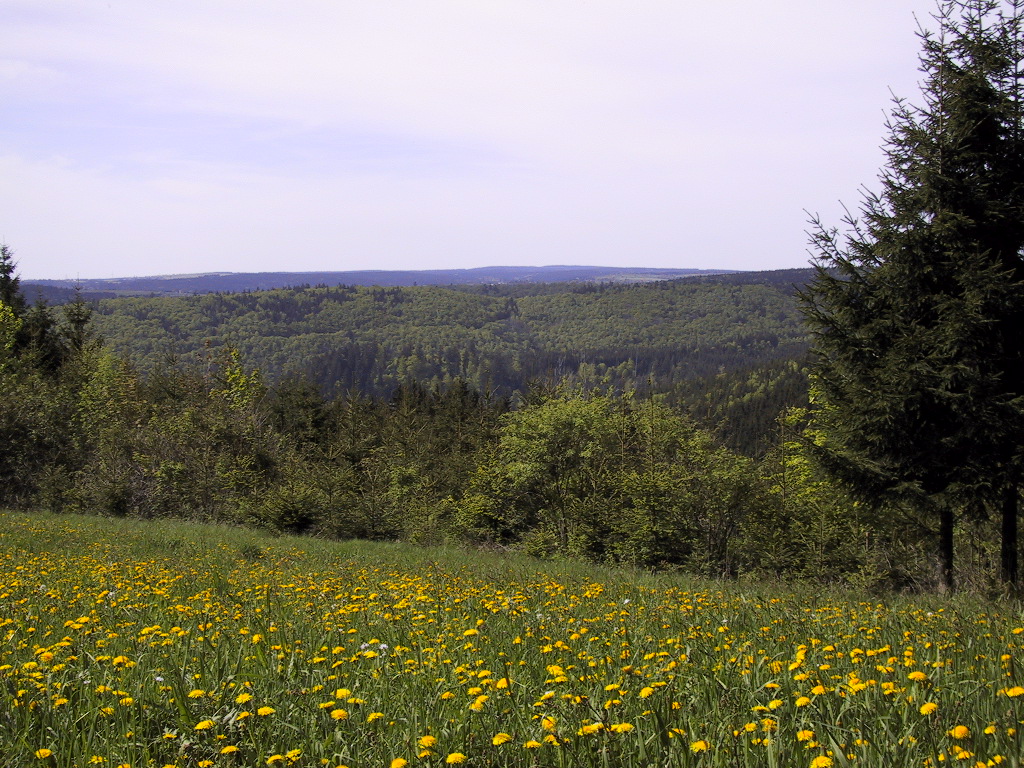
(917, 310)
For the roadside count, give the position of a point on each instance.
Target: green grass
(165, 643)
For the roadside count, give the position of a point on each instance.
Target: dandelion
(44, 753)
(531, 744)
(455, 758)
(229, 749)
(646, 692)
(264, 711)
(621, 728)
(339, 714)
(242, 698)
(1017, 690)
(501, 738)
(275, 759)
(591, 729)
(426, 742)
(960, 732)
(374, 717)
(548, 723)
(821, 761)
(803, 701)
(399, 762)
(204, 725)
(928, 707)
(699, 746)
(804, 735)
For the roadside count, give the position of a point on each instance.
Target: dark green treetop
(917, 310)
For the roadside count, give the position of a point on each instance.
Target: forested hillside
(662, 337)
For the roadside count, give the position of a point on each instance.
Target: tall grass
(163, 643)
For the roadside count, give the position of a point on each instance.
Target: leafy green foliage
(606, 478)
(374, 339)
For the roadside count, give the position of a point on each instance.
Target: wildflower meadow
(168, 644)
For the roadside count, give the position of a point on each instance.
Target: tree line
(558, 470)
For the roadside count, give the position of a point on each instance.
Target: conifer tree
(917, 309)
(10, 283)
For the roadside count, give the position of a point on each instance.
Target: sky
(151, 137)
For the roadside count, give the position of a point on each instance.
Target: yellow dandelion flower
(229, 749)
(264, 711)
(426, 742)
(646, 692)
(1017, 690)
(928, 707)
(242, 698)
(399, 762)
(548, 723)
(501, 738)
(196, 694)
(821, 761)
(44, 753)
(374, 717)
(803, 701)
(455, 758)
(275, 759)
(531, 744)
(204, 725)
(960, 732)
(339, 714)
(699, 746)
(804, 735)
(621, 727)
(591, 729)
(917, 676)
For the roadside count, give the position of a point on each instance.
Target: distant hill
(56, 291)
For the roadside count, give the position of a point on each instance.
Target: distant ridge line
(212, 282)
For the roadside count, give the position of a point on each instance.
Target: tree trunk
(1008, 568)
(946, 520)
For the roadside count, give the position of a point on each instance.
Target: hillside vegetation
(589, 461)
(166, 644)
(674, 338)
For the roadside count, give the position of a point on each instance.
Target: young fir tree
(917, 311)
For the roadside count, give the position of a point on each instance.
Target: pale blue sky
(179, 136)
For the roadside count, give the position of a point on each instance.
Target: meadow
(159, 643)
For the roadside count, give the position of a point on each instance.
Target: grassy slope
(164, 643)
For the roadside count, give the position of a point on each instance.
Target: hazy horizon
(213, 136)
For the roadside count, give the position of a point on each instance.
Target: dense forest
(728, 348)
(583, 461)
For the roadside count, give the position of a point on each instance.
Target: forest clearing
(166, 643)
